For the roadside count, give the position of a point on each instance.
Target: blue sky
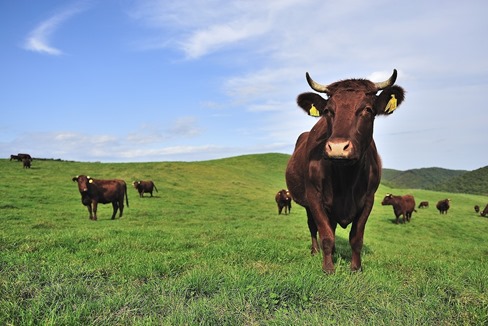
(136, 81)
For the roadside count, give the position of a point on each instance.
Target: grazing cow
(283, 200)
(14, 157)
(485, 211)
(21, 157)
(144, 186)
(95, 191)
(26, 163)
(424, 204)
(476, 208)
(335, 168)
(443, 206)
(402, 205)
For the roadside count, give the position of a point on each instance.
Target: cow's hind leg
(115, 205)
(312, 226)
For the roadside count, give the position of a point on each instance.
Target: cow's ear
(389, 99)
(312, 103)
(75, 178)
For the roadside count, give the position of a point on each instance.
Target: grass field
(210, 249)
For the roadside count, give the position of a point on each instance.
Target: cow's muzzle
(339, 149)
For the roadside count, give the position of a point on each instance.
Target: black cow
(26, 163)
(283, 200)
(144, 186)
(95, 191)
(335, 169)
(443, 206)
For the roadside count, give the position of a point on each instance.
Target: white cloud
(39, 39)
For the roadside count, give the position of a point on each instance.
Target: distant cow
(15, 157)
(443, 206)
(335, 168)
(283, 200)
(476, 208)
(22, 156)
(26, 163)
(144, 186)
(402, 205)
(95, 191)
(485, 211)
(424, 204)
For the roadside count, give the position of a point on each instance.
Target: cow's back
(409, 202)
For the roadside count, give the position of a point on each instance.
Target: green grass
(209, 248)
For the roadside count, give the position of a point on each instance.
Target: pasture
(210, 249)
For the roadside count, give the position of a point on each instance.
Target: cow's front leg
(90, 211)
(95, 205)
(356, 236)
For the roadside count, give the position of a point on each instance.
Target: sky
(194, 80)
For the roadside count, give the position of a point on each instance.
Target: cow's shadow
(343, 250)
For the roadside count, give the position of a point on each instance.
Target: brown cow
(144, 186)
(424, 204)
(443, 206)
(476, 208)
(485, 211)
(95, 191)
(335, 169)
(402, 205)
(283, 200)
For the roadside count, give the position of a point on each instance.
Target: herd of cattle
(333, 173)
(26, 159)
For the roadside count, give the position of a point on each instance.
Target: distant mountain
(473, 182)
(438, 179)
(425, 178)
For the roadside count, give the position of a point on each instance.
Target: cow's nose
(338, 149)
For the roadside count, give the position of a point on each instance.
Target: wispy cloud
(39, 39)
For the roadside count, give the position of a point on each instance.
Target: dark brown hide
(144, 186)
(424, 204)
(443, 206)
(283, 200)
(95, 191)
(402, 205)
(21, 157)
(335, 168)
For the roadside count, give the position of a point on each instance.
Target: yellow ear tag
(313, 111)
(392, 105)
(90, 181)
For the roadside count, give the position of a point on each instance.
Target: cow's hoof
(314, 251)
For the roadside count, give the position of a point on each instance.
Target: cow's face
(136, 184)
(349, 113)
(83, 182)
(388, 200)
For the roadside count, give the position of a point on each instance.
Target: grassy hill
(210, 249)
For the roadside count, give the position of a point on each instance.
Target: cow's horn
(387, 83)
(316, 86)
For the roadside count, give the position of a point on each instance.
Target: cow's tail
(155, 187)
(126, 196)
